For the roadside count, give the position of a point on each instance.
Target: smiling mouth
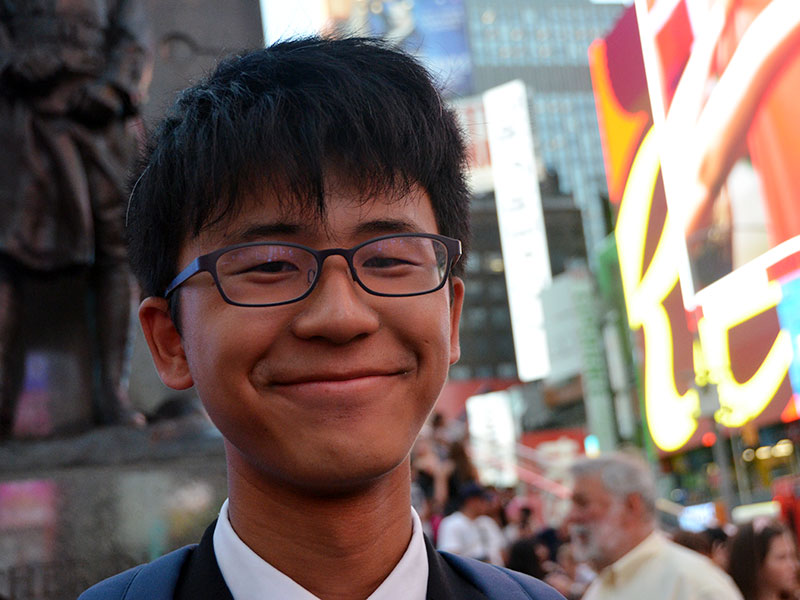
(337, 377)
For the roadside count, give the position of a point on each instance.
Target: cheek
(425, 326)
(778, 572)
(223, 347)
(596, 513)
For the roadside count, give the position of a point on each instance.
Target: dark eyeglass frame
(208, 263)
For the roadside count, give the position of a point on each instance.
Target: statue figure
(73, 74)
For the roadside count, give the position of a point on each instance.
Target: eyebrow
(380, 226)
(261, 231)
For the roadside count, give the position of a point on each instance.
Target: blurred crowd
(609, 542)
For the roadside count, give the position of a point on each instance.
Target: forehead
(781, 543)
(589, 489)
(348, 216)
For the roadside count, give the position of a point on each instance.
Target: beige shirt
(658, 569)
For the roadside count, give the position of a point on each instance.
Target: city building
(545, 44)
(487, 344)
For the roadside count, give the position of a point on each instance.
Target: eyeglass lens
(272, 273)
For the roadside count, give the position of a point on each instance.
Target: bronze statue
(72, 79)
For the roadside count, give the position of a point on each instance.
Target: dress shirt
(250, 577)
(658, 569)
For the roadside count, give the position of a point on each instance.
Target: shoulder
(681, 557)
(453, 517)
(452, 522)
(706, 578)
(497, 582)
(151, 581)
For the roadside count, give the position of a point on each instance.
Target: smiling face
(328, 393)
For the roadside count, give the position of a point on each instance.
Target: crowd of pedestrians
(491, 524)
(609, 545)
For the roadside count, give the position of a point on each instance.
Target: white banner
(519, 214)
(493, 438)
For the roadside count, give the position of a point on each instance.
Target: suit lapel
(444, 583)
(201, 578)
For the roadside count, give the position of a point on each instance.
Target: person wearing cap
(459, 532)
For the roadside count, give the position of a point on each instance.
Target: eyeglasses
(273, 273)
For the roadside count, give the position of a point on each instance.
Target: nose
(336, 310)
(573, 516)
(569, 518)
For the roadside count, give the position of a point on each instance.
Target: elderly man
(613, 527)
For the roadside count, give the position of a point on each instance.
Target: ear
(166, 345)
(634, 506)
(456, 305)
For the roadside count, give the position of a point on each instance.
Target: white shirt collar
(247, 575)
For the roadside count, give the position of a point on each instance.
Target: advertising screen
(702, 151)
(434, 30)
(723, 80)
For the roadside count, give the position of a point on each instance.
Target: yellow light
(670, 415)
(763, 453)
(783, 449)
(748, 455)
(742, 401)
(496, 265)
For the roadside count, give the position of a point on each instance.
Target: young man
(295, 229)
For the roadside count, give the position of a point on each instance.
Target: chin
(334, 468)
(344, 480)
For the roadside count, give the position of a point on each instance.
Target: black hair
(522, 557)
(748, 550)
(275, 120)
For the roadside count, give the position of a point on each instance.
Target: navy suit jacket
(192, 573)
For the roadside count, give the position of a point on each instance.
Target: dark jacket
(192, 573)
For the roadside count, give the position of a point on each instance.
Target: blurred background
(609, 303)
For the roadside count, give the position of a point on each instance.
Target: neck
(353, 539)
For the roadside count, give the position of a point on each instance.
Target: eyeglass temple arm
(456, 251)
(191, 269)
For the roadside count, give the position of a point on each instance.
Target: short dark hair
(276, 119)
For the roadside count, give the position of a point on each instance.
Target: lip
(339, 392)
(335, 377)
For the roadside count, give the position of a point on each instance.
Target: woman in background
(763, 561)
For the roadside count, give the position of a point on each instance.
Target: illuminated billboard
(702, 148)
(520, 219)
(433, 30)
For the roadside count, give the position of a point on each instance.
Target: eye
(262, 261)
(384, 262)
(277, 266)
